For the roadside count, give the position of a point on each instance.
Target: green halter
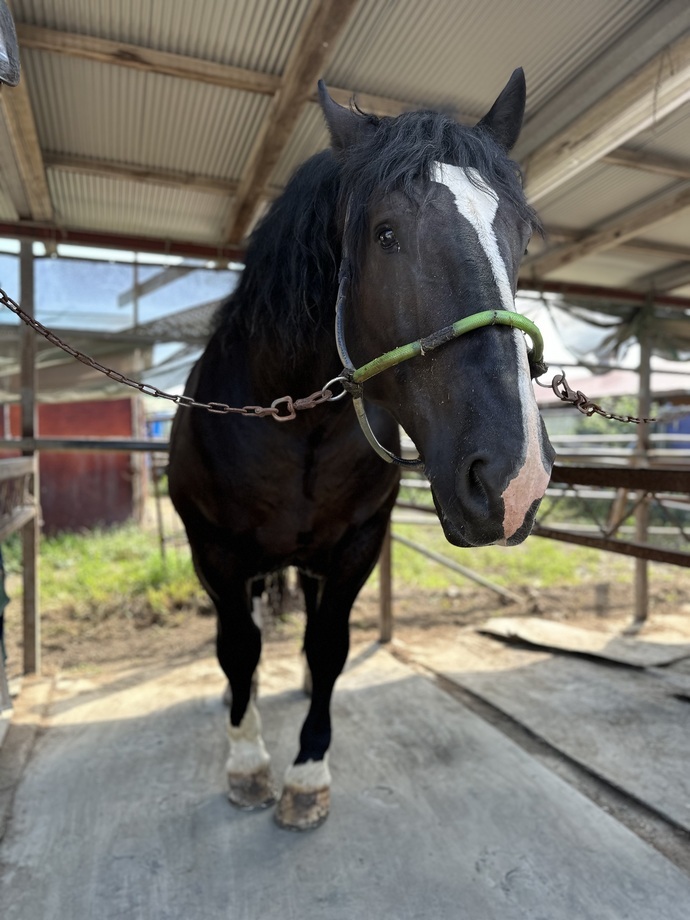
(352, 378)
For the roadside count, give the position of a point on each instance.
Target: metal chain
(283, 409)
(577, 398)
(559, 385)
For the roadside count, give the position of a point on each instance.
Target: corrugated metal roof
(457, 54)
(612, 268)
(675, 230)
(111, 113)
(309, 136)
(7, 209)
(454, 54)
(14, 200)
(256, 34)
(132, 208)
(670, 137)
(597, 194)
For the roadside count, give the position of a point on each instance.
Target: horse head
(435, 221)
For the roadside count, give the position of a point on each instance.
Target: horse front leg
(305, 800)
(238, 645)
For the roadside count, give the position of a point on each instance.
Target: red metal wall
(83, 489)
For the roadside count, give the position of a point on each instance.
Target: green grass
(91, 576)
(100, 573)
(536, 563)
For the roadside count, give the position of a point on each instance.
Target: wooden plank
(675, 681)
(129, 172)
(647, 161)
(15, 105)
(454, 566)
(312, 49)
(386, 588)
(650, 480)
(5, 698)
(172, 64)
(108, 444)
(161, 279)
(622, 724)
(548, 634)
(609, 545)
(50, 235)
(613, 232)
(18, 519)
(665, 279)
(148, 60)
(31, 617)
(5, 719)
(555, 234)
(645, 98)
(428, 813)
(14, 467)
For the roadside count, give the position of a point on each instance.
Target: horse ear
(504, 119)
(345, 127)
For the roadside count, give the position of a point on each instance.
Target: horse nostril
(475, 480)
(472, 489)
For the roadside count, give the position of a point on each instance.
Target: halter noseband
(352, 378)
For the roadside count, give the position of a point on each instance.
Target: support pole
(386, 588)
(30, 531)
(644, 406)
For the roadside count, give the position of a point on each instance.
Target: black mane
(403, 150)
(289, 285)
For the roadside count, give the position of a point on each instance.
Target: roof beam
(613, 232)
(108, 169)
(666, 279)
(639, 102)
(313, 47)
(15, 105)
(638, 244)
(123, 54)
(385, 105)
(49, 234)
(161, 279)
(598, 292)
(649, 162)
(645, 38)
(138, 57)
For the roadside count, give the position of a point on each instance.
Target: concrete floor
(119, 811)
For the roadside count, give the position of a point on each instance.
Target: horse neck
(275, 371)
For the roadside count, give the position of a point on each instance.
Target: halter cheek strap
(353, 378)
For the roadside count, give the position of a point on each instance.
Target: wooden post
(386, 588)
(30, 531)
(644, 405)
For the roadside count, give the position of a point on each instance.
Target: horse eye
(387, 239)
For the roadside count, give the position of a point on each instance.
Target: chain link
(283, 409)
(577, 398)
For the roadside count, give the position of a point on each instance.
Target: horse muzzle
(484, 503)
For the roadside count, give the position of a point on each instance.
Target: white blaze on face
(477, 203)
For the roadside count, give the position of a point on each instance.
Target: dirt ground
(426, 625)
(420, 618)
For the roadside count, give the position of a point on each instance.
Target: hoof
(303, 811)
(251, 790)
(306, 798)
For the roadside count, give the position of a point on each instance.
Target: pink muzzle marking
(528, 485)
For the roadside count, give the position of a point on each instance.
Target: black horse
(434, 222)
